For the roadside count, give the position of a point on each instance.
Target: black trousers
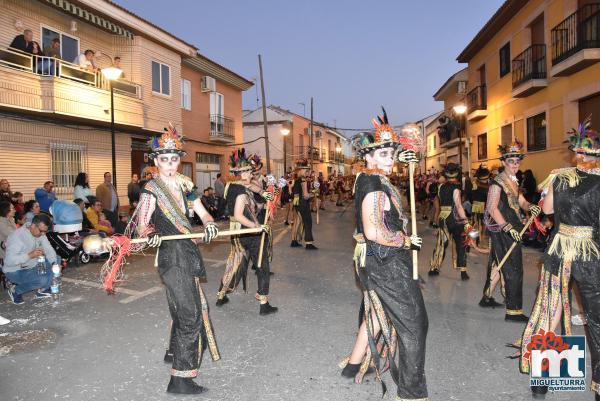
(455, 230)
(403, 304)
(251, 244)
(587, 276)
(512, 270)
(186, 313)
(305, 215)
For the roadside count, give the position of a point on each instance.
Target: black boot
(311, 247)
(489, 302)
(287, 223)
(539, 392)
(597, 397)
(295, 244)
(222, 301)
(168, 356)
(266, 309)
(350, 370)
(434, 272)
(184, 385)
(516, 318)
(464, 276)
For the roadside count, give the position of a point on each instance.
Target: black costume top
(235, 189)
(169, 219)
(508, 204)
(575, 215)
(297, 190)
(393, 219)
(480, 193)
(446, 193)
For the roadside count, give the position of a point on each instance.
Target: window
(536, 132)
(217, 104)
(434, 142)
(69, 45)
(67, 160)
(208, 158)
(504, 59)
(506, 135)
(186, 94)
(482, 146)
(161, 78)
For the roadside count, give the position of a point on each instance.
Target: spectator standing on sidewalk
(23, 248)
(45, 196)
(5, 192)
(133, 190)
(107, 195)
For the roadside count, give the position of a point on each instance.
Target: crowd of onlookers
(24, 225)
(47, 58)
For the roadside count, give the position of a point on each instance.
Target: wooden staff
(514, 244)
(201, 235)
(413, 215)
(262, 242)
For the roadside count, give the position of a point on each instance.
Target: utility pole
(310, 149)
(264, 110)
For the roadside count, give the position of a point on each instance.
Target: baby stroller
(64, 238)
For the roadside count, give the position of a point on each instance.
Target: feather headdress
(513, 150)
(584, 140)
(383, 137)
(169, 142)
(239, 162)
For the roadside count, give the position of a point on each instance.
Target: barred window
(67, 160)
(536, 132)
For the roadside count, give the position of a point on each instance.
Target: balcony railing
(307, 152)
(221, 128)
(580, 30)
(477, 99)
(530, 64)
(53, 67)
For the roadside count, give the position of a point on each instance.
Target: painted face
(512, 165)
(168, 163)
(382, 159)
(246, 176)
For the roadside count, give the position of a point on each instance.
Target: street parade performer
(453, 223)
(504, 224)
(479, 194)
(163, 210)
(394, 318)
(302, 196)
(246, 248)
(573, 195)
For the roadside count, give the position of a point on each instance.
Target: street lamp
(460, 109)
(285, 132)
(338, 150)
(112, 73)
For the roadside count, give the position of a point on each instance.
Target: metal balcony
(529, 71)
(222, 129)
(576, 41)
(477, 103)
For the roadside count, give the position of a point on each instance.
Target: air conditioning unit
(208, 84)
(462, 87)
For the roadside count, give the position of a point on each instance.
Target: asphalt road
(98, 347)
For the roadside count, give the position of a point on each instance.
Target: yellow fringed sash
(574, 242)
(566, 177)
(478, 207)
(445, 211)
(360, 251)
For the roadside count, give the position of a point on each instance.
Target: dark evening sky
(351, 56)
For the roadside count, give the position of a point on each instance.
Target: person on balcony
(53, 50)
(86, 60)
(23, 42)
(117, 64)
